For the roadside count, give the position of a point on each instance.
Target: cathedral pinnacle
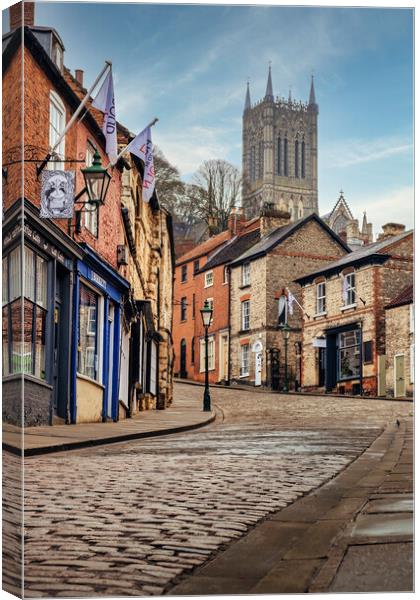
(312, 101)
(247, 98)
(269, 90)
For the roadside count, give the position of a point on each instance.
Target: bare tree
(217, 189)
(169, 186)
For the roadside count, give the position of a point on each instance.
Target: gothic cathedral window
(303, 159)
(278, 156)
(285, 158)
(296, 158)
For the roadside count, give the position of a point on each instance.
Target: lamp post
(206, 315)
(285, 330)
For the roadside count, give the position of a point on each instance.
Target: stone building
(341, 220)
(280, 153)
(260, 278)
(399, 341)
(73, 352)
(344, 336)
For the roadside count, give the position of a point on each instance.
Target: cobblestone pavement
(132, 518)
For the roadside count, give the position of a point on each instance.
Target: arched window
(261, 160)
(285, 157)
(296, 158)
(279, 156)
(303, 159)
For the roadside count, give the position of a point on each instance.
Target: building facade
(344, 338)
(261, 279)
(280, 154)
(399, 337)
(69, 279)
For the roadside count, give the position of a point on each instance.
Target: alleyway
(132, 518)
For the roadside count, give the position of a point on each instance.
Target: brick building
(344, 337)
(399, 342)
(73, 352)
(194, 283)
(259, 279)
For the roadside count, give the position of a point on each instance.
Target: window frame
(351, 290)
(212, 353)
(184, 273)
(196, 266)
(244, 372)
(321, 299)
(99, 333)
(208, 275)
(57, 104)
(183, 306)
(246, 274)
(348, 347)
(245, 316)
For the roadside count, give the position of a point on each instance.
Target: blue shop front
(99, 292)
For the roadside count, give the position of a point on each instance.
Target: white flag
(142, 147)
(105, 102)
(290, 300)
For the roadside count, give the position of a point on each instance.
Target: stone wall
(399, 339)
(36, 405)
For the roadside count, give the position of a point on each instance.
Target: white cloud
(346, 153)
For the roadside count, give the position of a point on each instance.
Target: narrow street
(133, 518)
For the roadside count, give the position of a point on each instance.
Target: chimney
(389, 230)
(19, 13)
(79, 76)
(272, 218)
(236, 220)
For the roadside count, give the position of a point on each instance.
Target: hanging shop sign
(57, 194)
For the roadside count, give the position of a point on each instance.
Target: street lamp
(285, 330)
(97, 180)
(206, 315)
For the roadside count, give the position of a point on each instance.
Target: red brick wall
(12, 128)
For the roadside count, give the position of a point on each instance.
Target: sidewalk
(353, 534)
(186, 414)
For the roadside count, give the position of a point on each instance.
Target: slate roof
(404, 297)
(205, 248)
(232, 249)
(278, 235)
(370, 252)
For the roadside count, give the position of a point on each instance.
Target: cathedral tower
(280, 153)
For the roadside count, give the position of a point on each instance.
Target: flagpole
(297, 302)
(112, 163)
(108, 65)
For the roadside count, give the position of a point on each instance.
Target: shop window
(368, 352)
(246, 274)
(349, 354)
(282, 310)
(349, 289)
(91, 211)
(245, 315)
(321, 304)
(244, 360)
(208, 279)
(57, 126)
(88, 346)
(183, 273)
(203, 354)
(24, 344)
(183, 309)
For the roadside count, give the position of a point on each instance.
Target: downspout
(229, 325)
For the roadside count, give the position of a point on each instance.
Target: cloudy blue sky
(188, 65)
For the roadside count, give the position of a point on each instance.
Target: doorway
(183, 359)
(61, 343)
(321, 366)
(111, 359)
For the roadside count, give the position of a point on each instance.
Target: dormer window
(57, 55)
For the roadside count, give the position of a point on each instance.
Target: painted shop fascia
(98, 300)
(41, 366)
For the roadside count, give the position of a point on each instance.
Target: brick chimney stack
(21, 11)
(79, 76)
(389, 230)
(236, 220)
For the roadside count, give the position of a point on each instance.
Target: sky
(188, 66)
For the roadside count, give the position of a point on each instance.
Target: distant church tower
(280, 154)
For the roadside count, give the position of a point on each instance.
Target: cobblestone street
(132, 518)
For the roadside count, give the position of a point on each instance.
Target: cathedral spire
(312, 101)
(247, 97)
(364, 224)
(269, 91)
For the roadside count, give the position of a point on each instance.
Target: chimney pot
(21, 15)
(79, 76)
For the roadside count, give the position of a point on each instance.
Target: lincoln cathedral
(280, 153)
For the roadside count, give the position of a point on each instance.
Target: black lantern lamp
(206, 315)
(97, 180)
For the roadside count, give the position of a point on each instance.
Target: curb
(262, 390)
(103, 441)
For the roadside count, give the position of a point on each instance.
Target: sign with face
(57, 194)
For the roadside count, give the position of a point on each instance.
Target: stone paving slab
(184, 415)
